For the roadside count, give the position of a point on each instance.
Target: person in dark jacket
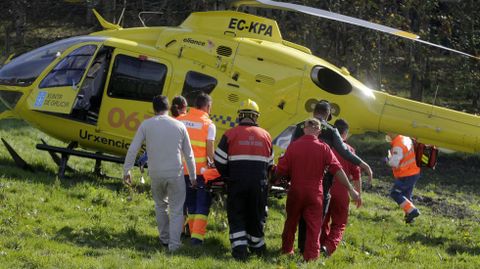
(331, 137)
(244, 156)
(335, 221)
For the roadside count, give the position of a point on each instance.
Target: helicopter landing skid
(70, 151)
(16, 158)
(56, 159)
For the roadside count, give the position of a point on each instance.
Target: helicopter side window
(196, 83)
(136, 78)
(69, 71)
(330, 81)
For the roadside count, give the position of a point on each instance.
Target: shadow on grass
(216, 249)
(452, 249)
(212, 247)
(99, 237)
(376, 217)
(456, 249)
(13, 124)
(44, 175)
(424, 239)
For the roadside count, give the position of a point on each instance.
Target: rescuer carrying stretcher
(332, 138)
(201, 131)
(304, 162)
(244, 156)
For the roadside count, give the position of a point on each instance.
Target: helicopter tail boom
(431, 124)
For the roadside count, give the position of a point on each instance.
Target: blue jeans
(403, 188)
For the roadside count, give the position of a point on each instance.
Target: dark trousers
(302, 226)
(197, 202)
(246, 211)
(403, 188)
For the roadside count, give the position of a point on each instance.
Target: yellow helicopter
(94, 91)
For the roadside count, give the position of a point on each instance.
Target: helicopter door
(58, 90)
(134, 80)
(87, 104)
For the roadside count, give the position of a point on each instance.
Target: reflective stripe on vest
(197, 123)
(408, 165)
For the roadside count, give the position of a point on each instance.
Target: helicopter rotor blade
(342, 18)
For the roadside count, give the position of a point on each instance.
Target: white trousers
(169, 196)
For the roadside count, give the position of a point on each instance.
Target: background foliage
(84, 221)
(381, 61)
(89, 222)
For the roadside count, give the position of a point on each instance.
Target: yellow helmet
(248, 106)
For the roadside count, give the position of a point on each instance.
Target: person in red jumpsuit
(336, 218)
(304, 163)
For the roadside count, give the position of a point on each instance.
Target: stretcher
(216, 184)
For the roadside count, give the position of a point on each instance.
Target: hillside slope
(89, 222)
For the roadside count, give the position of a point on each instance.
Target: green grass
(89, 222)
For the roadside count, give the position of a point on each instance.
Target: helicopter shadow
(104, 238)
(212, 247)
(454, 248)
(43, 175)
(13, 125)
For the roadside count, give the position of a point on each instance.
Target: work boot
(196, 242)
(409, 218)
(260, 251)
(240, 253)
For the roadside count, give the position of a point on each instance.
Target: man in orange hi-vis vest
(201, 131)
(401, 158)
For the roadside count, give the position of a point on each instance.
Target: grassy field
(89, 222)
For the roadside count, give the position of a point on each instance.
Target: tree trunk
(7, 39)
(20, 16)
(415, 86)
(475, 99)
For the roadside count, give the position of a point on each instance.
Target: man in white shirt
(166, 140)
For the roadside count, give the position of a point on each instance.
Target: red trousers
(306, 202)
(336, 218)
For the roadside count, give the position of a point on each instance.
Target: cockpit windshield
(24, 69)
